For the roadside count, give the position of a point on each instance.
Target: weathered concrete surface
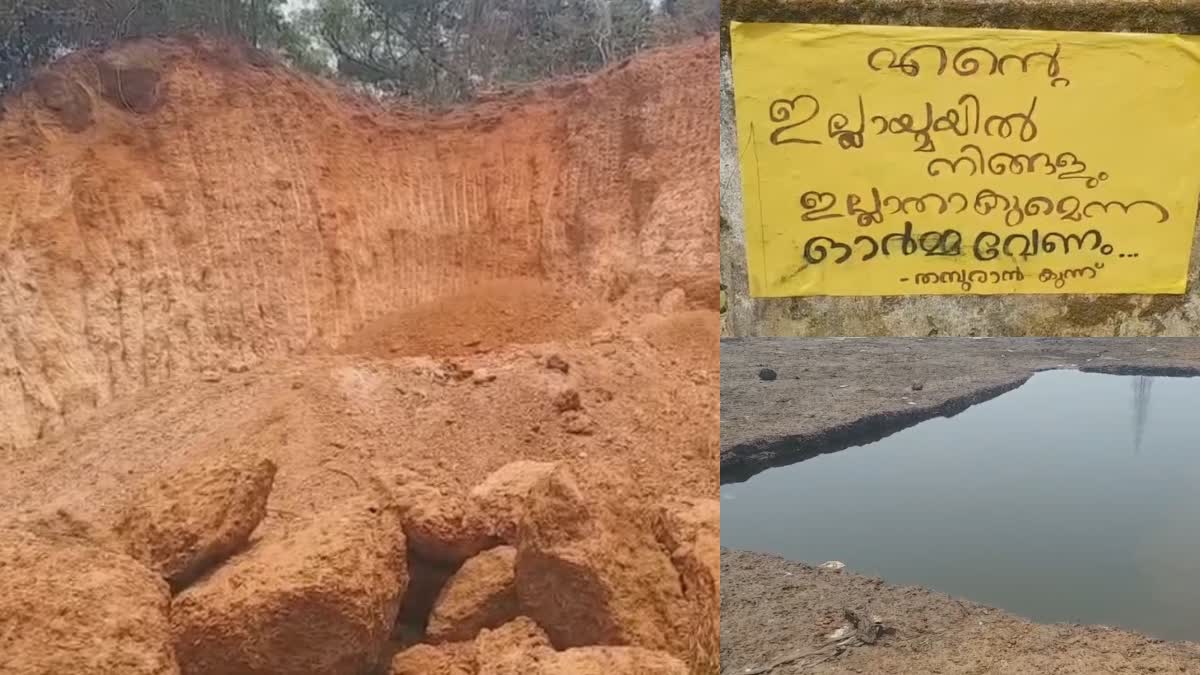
(1008, 315)
(831, 394)
(775, 612)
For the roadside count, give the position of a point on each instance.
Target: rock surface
(591, 575)
(511, 649)
(521, 647)
(480, 595)
(500, 498)
(441, 527)
(690, 530)
(320, 599)
(609, 661)
(182, 525)
(67, 606)
(424, 659)
(60, 522)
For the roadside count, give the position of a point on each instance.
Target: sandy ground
(835, 393)
(773, 609)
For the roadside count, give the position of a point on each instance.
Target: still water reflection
(1075, 497)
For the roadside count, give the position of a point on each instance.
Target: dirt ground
(775, 611)
(295, 382)
(776, 615)
(330, 420)
(646, 403)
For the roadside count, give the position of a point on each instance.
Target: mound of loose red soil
(514, 311)
(292, 383)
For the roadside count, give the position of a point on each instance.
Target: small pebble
(556, 362)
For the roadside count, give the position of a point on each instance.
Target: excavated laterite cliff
(294, 383)
(174, 206)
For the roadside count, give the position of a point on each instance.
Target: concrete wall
(1066, 315)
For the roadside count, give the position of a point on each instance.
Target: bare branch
(343, 52)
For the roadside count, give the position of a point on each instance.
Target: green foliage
(431, 50)
(445, 50)
(36, 31)
(685, 18)
(259, 22)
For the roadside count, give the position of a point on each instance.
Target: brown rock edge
(67, 606)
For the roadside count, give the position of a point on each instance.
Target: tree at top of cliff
(430, 50)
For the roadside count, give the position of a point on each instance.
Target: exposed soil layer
(357, 390)
(176, 206)
(829, 394)
(834, 393)
(329, 422)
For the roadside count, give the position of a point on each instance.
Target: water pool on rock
(1075, 497)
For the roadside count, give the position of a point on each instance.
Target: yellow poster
(882, 160)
